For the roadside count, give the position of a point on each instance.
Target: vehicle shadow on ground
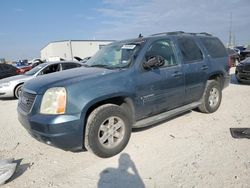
(163, 121)
(126, 175)
(20, 169)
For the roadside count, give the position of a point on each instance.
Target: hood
(18, 78)
(64, 78)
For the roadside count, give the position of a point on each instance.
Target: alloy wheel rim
(111, 132)
(213, 97)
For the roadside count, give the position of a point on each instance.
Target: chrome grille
(26, 101)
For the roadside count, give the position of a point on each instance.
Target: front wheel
(18, 90)
(108, 130)
(211, 98)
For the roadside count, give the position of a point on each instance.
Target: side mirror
(154, 62)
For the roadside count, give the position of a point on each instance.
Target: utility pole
(230, 32)
(70, 48)
(234, 40)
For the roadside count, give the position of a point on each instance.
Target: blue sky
(26, 26)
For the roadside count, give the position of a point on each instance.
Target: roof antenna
(140, 35)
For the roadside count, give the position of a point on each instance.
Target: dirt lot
(192, 150)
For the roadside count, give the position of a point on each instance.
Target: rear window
(189, 49)
(214, 47)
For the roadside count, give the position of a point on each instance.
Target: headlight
(54, 101)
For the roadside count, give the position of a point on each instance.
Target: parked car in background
(34, 62)
(242, 51)
(7, 70)
(127, 84)
(242, 71)
(22, 70)
(20, 63)
(11, 87)
(234, 56)
(22, 66)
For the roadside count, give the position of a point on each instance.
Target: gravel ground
(192, 150)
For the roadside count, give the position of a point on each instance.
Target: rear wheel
(18, 90)
(211, 98)
(108, 130)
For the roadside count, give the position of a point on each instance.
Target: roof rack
(202, 33)
(169, 33)
(181, 32)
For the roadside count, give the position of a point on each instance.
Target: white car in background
(11, 86)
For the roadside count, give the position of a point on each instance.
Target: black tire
(101, 117)
(211, 98)
(17, 91)
(237, 77)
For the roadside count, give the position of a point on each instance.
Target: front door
(160, 89)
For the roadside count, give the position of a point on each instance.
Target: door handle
(204, 67)
(176, 74)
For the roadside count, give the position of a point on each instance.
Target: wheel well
(125, 102)
(16, 87)
(218, 78)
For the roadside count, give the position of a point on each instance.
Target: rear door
(160, 89)
(195, 68)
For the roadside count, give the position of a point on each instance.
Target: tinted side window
(189, 49)
(163, 48)
(51, 69)
(69, 65)
(214, 47)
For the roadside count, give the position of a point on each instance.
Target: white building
(68, 49)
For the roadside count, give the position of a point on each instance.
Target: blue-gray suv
(127, 84)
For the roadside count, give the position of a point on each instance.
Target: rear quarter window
(214, 47)
(70, 65)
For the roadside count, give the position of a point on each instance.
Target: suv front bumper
(61, 131)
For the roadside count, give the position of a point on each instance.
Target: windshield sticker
(128, 46)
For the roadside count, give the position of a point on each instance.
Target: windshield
(115, 55)
(36, 69)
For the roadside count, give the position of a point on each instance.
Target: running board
(165, 115)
